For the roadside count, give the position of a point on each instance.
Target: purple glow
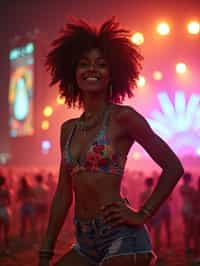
(178, 122)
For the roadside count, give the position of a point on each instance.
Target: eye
(103, 64)
(83, 63)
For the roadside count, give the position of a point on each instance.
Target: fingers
(119, 212)
(117, 222)
(114, 220)
(112, 217)
(110, 211)
(111, 208)
(116, 204)
(113, 213)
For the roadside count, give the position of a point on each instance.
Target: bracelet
(146, 211)
(47, 253)
(125, 200)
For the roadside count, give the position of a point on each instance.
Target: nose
(92, 66)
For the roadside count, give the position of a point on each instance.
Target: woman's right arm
(62, 200)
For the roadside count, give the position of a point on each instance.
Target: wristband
(146, 212)
(46, 253)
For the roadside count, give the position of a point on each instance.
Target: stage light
(60, 100)
(157, 75)
(178, 122)
(45, 146)
(47, 111)
(181, 68)
(163, 28)
(193, 27)
(137, 38)
(198, 151)
(45, 125)
(141, 81)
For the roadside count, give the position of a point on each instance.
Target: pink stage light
(178, 122)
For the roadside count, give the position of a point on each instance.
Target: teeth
(92, 78)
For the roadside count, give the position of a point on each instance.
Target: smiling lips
(91, 78)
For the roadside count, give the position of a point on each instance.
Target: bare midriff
(94, 190)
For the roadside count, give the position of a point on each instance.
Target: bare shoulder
(66, 126)
(126, 113)
(134, 124)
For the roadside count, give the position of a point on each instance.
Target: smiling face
(92, 72)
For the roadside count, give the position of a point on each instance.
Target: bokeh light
(60, 100)
(137, 38)
(163, 28)
(136, 155)
(47, 111)
(45, 125)
(193, 27)
(157, 75)
(45, 146)
(181, 68)
(141, 81)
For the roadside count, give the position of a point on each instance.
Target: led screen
(21, 87)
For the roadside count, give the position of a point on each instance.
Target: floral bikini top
(99, 157)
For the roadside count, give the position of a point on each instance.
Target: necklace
(92, 122)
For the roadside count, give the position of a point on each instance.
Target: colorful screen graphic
(178, 121)
(21, 90)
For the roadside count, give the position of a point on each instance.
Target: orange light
(193, 27)
(45, 125)
(136, 155)
(60, 100)
(163, 28)
(181, 68)
(47, 111)
(157, 75)
(141, 81)
(137, 38)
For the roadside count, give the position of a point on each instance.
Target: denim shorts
(98, 242)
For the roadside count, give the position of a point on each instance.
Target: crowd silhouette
(25, 197)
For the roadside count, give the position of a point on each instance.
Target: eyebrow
(98, 58)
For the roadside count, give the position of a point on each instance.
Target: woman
(97, 69)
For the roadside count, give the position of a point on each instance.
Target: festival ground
(24, 253)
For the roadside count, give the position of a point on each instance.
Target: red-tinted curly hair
(78, 38)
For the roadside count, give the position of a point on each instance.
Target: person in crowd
(155, 222)
(41, 197)
(197, 222)
(25, 197)
(187, 193)
(4, 213)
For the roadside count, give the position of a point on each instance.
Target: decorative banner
(21, 90)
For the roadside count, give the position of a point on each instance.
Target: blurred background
(168, 92)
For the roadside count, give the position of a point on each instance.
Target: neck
(94, 105)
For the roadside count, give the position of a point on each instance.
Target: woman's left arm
(138, 128)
